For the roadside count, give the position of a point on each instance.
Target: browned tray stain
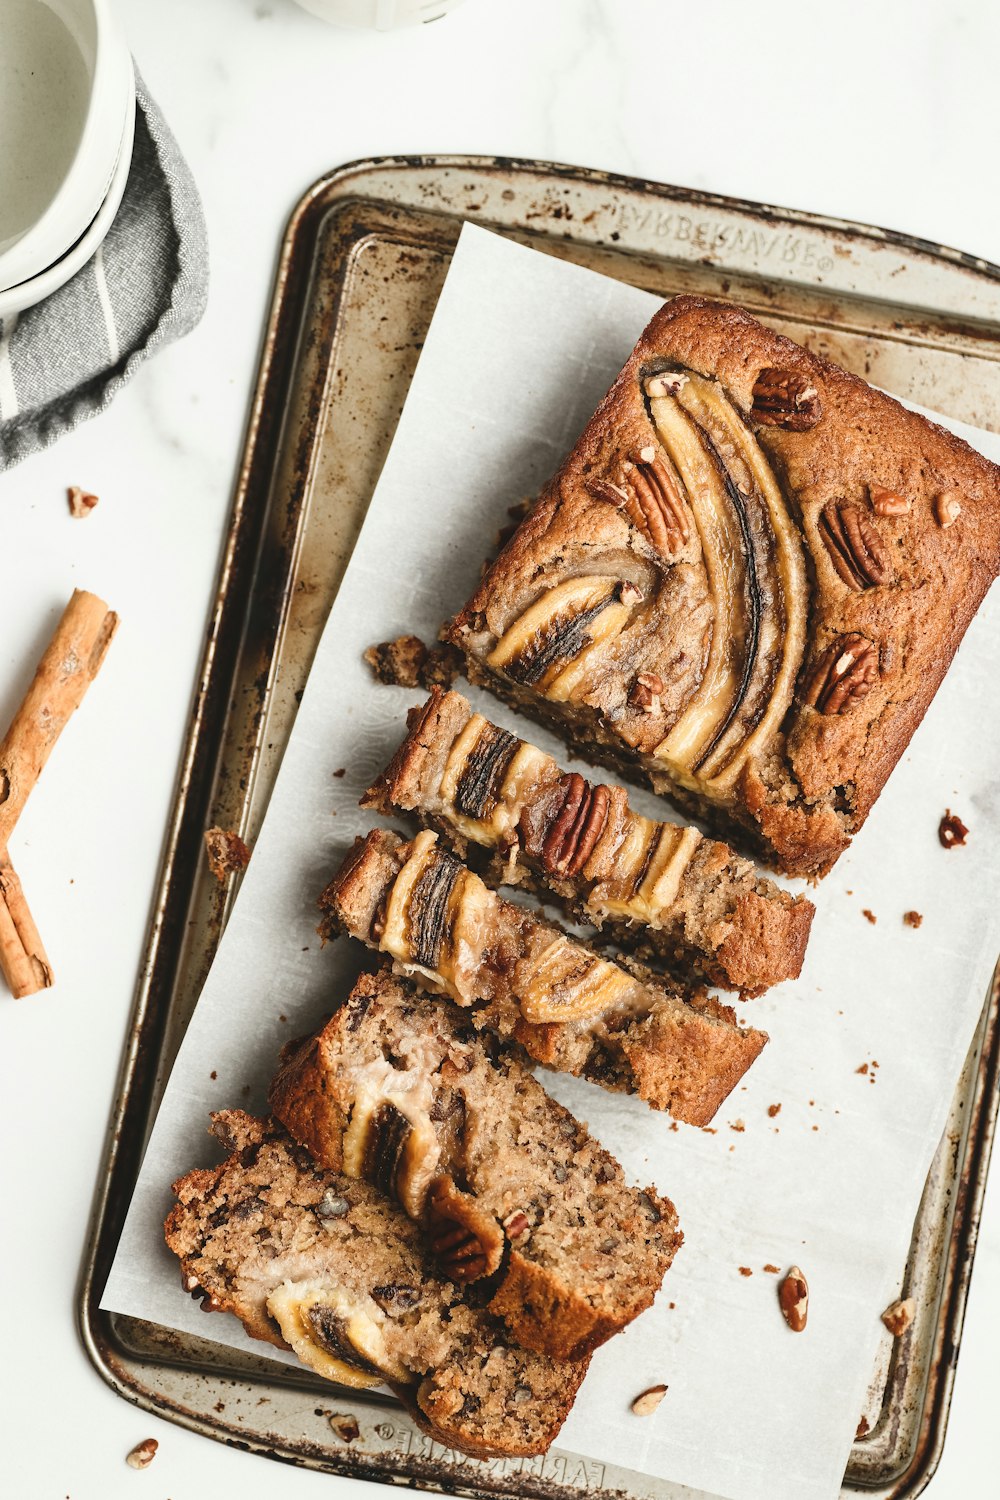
(361, 266)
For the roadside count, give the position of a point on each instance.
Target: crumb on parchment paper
(912, 918)
(951, 830)
(81, 502)
(869, 916)
(226, 852)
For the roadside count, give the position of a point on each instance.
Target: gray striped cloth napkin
(67, 358)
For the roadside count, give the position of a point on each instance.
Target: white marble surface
(890, 117)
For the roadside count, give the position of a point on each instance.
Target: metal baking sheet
(360, 270)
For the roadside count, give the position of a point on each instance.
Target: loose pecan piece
(467, 1243)
(845, 673)
(783, 398)
(655, 504)
(855, 547)
(793, 1298)
(577, 826)
(951, 830)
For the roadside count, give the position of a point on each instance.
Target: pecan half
(855, 547)
(887, 502)
(783, 398)
(844, 674)
(947, 509)
(655, 503)
(467, 1243)
(577, 826)
(793, 1298)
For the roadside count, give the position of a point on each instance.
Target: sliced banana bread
(326, 1266)
(659, 889)
(511, 1190)
(679, 1049)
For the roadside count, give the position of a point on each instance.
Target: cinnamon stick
(23, 958)
(66, 670)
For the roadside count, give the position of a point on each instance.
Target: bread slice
(744, 585)
(525, 979)
(512, 1192)
(658, 889)
(325, 1265)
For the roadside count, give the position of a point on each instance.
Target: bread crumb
(772, 1270)
(407, 662)
(869, 916)
(862, 1428)
(912, 918)
(341, 771)
(951, 830)
(737, 1125)
(745, 1271)
(899, 1315)
(774, 1109)
(81, 503)
(863, 1068)
(213, 1075)
(226, 852)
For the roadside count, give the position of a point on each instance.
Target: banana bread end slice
(323, 1264)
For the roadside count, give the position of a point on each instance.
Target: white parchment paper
(521, 348)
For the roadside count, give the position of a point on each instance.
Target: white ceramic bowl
(66, 90)
(17, 298)
(380, 15)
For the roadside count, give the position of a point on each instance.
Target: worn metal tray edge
(238, 563)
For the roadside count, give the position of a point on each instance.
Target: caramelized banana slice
(569, 983)
(513, 778)
(575, 617)
(392, 1144)
(651, 865)
(753, 556)
(395, 937)
(335, 1334)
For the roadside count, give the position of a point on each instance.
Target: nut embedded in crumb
(912, 918)
(898, 1317)
(142, 1454)
(947, 509)
(81, 502)
(645, 1404)
(345, 1425)
(793, 1298)
(645, 691)
(888, 503)
(227, 853)
(951, 830)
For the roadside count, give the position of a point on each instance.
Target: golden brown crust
(811, 787)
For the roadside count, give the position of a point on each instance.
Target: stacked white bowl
(67, 121)
(380, 15)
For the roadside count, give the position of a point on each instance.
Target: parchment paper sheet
(521, 349)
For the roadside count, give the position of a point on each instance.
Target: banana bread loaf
(658, 889)
(745, 584)
(325, 1265)
(513, 1194)
(525, 979)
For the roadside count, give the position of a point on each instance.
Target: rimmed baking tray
(360, 270)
